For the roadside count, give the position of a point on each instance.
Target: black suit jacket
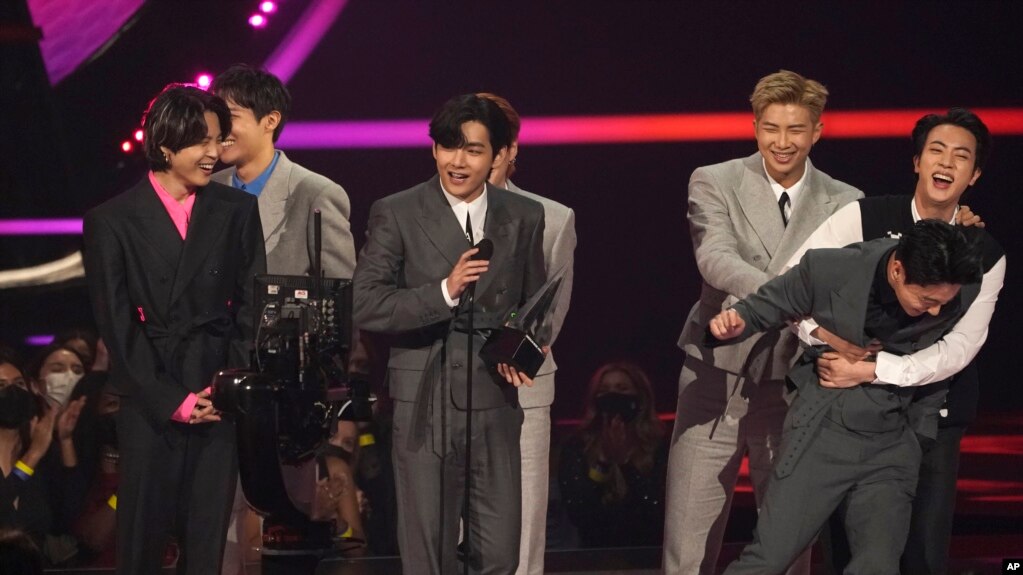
(414, 242)
(171, 312)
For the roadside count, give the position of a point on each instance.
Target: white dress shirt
(477, 210)
(793, 192)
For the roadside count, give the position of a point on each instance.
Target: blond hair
(785, 87)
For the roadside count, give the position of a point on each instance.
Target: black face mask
(106, 430)
(620, 404)
(17, 406)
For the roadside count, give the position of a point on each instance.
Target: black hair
(176, 119)
(957, 117)
(446, 125)
(935, 252)
(255, 89)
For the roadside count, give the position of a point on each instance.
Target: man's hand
(464, 273)
(203, 411)
(850, 351)
(966, 218)
(836, 371)
(727, 324)
(516, 377)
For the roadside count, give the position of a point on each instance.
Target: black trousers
(178, 480)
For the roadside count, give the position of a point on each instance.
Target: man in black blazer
(855, 448)
(413, 281)
(170, 265)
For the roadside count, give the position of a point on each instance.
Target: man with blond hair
(746, 217)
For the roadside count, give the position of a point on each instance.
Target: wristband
(367, 439)
(599, 472)
(347, 534)
(23, 471)
(112, 502)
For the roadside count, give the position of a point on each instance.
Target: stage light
(203, 80)
(257, 20)
(127, 146)
(139, 134)
(268, 7)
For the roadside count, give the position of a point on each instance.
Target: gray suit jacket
(414, 240)
(286, 208)
(833, 286)
(740, 242)
(558, 252)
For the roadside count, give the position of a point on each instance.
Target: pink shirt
(180, 213)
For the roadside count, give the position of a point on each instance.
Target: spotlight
(257, 20)
(268, 7)
(127, 146)
(203, 80)
(139, 134)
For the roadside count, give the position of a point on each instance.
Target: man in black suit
(855, 448)
(170, 265)
(413, 281)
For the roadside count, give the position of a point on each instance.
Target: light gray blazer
(740, 242)
(286, 208)
(558, 252)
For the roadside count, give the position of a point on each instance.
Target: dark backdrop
(635, 274)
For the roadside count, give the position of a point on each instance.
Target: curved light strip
(573, 130)
(64, 269)
(303, 38)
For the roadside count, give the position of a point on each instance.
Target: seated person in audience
(337, 496)
(613, 467)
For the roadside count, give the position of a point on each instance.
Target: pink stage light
(139, 135)
(257, 20)
(203, 80)
(268, 7)
(127, 146)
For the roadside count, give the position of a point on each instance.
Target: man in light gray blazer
(746, 218)
(413, 282)
(288, 193)
(559, 256)
(855, 449)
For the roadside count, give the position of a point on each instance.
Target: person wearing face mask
(612, 469)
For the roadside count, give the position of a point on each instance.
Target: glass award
(520, 341)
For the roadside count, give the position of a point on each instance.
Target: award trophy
(520, 341)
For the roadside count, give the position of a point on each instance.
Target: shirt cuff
(444, 291)
(184, 413)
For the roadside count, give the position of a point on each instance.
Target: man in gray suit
(855, 448)
(559, 255)
(414, 282)
(288, 193)
(746, 217)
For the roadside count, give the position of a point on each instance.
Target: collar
(255, 187)
(796, 188)
(477, 210)
(916, 213)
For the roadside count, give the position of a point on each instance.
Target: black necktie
(468, 228)
(783, 202)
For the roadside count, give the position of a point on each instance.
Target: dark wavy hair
(255, 89)
(176, 119)
(935, 252)
(446, 125)
(957, 117)
(646, 427)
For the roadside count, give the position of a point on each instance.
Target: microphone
(486, 248)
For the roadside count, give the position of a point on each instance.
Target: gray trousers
(429, 482)
(720, 418)
(535, 445)
(869, 480)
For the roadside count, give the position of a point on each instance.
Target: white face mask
(59, 386)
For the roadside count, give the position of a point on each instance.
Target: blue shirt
(255, 187)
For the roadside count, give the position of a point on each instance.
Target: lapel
(273, 201)
(154, 225)
(204, 229)
(758, 204)
(849, 300)
(815, 205)
(497, 227)
(439, 223)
